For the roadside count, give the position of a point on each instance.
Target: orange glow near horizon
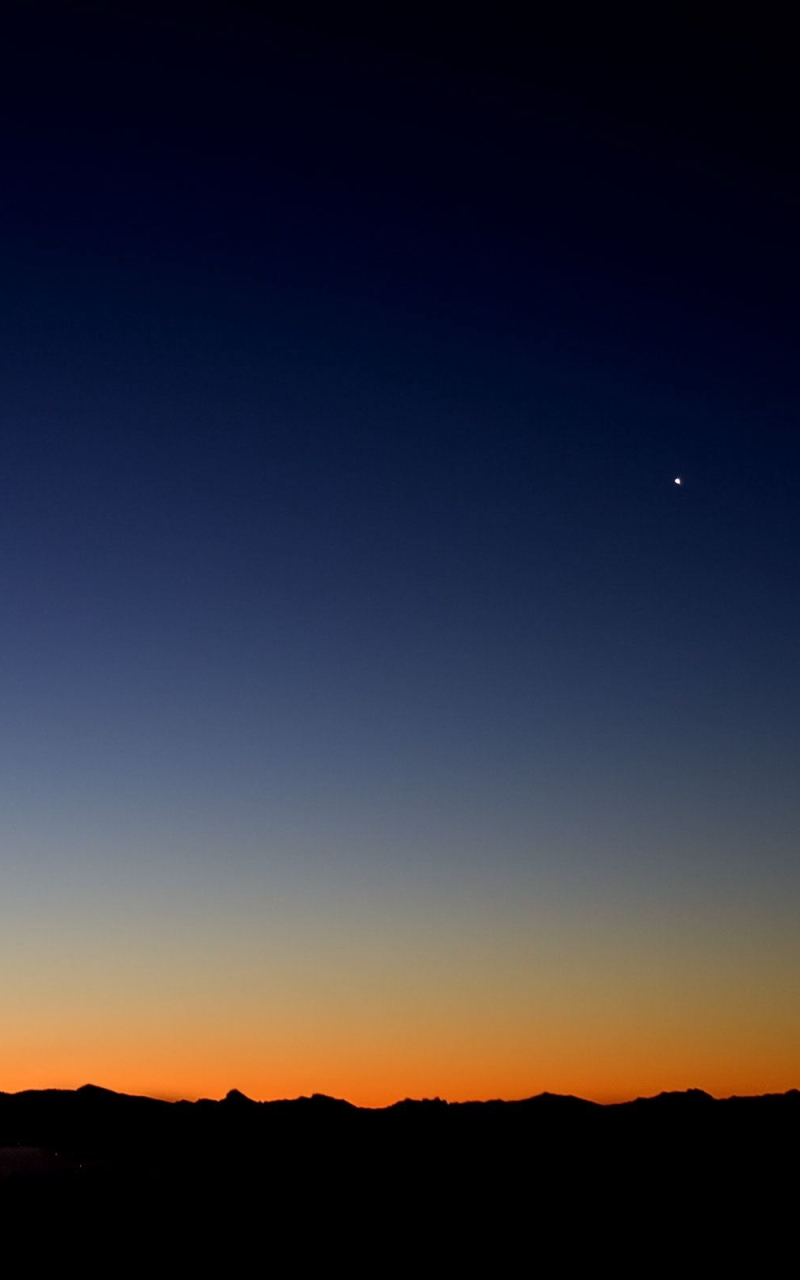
(376, 1001)
(385, 1064)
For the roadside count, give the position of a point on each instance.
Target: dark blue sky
(345, 377)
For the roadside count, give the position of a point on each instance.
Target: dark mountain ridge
(466, 1182)
(35, 1106)
(116, 1129)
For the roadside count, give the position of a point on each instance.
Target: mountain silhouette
(470, 1184)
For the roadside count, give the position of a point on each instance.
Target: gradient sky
(378, 717)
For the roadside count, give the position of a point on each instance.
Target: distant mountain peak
(236, 1095)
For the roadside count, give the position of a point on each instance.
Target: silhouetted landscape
(473, 1165)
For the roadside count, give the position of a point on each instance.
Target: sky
(378, 717)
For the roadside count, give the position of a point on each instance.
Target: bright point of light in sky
(677, 479)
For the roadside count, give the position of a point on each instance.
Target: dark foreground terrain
(550, 1177)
